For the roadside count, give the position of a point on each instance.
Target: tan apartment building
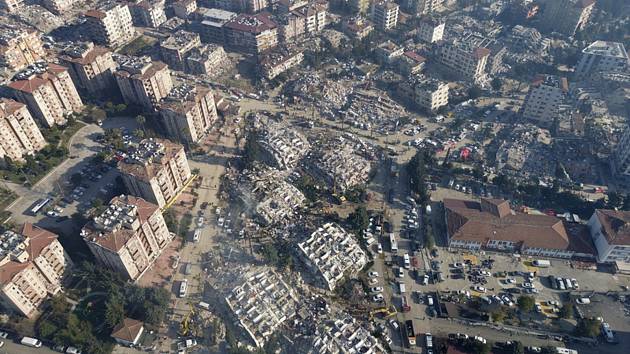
(278, 61)
(176, 48)
(545, 96)
(48, 92)
(251, 33)
(466, 61)
(422, 7)
(33, 266)
(147, 13)
(431, 94)
(290, 26)
(19, 48)
(209, 59)
(357, 27)
(128, 236)
(156, 171)
(111, 25)
(315, 17)
(254, 6)
(566, 16)
(58, 6)
(91, 67)
(385, 14)
(144, 82)
(188, 113)
(184, 8)
(431, 30)
(19, 134)
(11, 6)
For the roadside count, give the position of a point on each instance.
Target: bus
(411, 335)
(607, 332)
(392, 242)
(39, 205)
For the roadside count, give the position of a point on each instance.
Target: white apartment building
(465, 60)
(128, 236)
(545, 96)
(48, 92)
(621, 158)
(19, 134)
(144, 82)
(431, 94)
(91, 67)
(19, 48)
(610, 230)
(58, 6)
(33, 266)
(602, 56)
(188, 113)
(156, 171)
(111, 25)
(147, 13)
(431, 30)
(385, 14)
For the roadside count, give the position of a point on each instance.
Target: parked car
(478, 288)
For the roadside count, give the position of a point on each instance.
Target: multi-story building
(254, 6)
(290, 26)
(431, 30)
(431, 94)
(188, 113)
(144, 82)
(33, 266)
(385, 14)
(11, 6)
(357, 27)
(91, 67)
(209, 59)
(184, 8)
(251, 33)
(387, 52)
(277, 61)
(210, 23)
(286, 6)
(147, 13)
(111, 25)
(19, 48)
(566, 16)
(467, 61)
(315, 17)
(602, 56)
(128, 236)
(545, 96)
(621, 159)
(156, 171)
(176, 48)
(610, 230)
(58, 6)
(19, 135)
(48, 92)
(411, 63)
(422, 7)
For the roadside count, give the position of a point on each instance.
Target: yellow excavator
(386, 311)
(185, 327)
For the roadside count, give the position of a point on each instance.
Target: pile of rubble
(526, 152)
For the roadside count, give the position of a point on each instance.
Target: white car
(376, 289)
(393, 323)
(480, 339)
(510, 281)
(4, 335)
(373, 281)
(401, 272)
(378, 298)
(379, 248)
(531, 291)
(458, 265)
(478, 288)
(583, 301)
(200, 221)
(373, 274)
(528, 285)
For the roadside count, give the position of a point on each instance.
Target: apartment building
(148, 13)
(58, 6)
(387, 52)
(610, 230)
(184, 8)
(545, 96)
(128, 236)
(431, 94)
(143, 82)
(209, 59)
(176, 47)
(275, 62)
(290, 26)
(357, 27)
(251, 33)
(315, 17)
(385, 14)
(11, 6)
(19, 134)
(188, 113)
(254, 6)
(411, 63)
(111, 25)
(157, 170)
(566, 16)
(465, 60)
(602, 56)
(210, 24)
(48, 92)
(431, 30)
(91, 67)
(286, 6)
(33, 266)
(621, 159)
(422, 7)
(19, 48)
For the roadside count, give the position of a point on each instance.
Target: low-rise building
(411, 63)
(279, 60)
(262, 304)
(251, 33)
(128, 332)
(332, 253)
(388, 52)
(110, 25)
(19, 134)
(210, 23)
(157, 171)
(545, 96)
(184, 8)
(176, 47)
(143, 82)
(431, 94)
(91, 67)
(431, 30)
(148, 13)
(188, 113)
(128, 236)
(357, 27)
(467, 61)
(282, 148)
(33, 267)
(48, 92)
(610, 230)
(385, 14)
(602, 56)
(19, 48)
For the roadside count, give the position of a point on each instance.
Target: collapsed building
(282, 148)
(340, 167)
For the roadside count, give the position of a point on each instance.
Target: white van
(31, 342)
(183, 288)
(542, 263)
(204, 305)
(407, 261)
(401, 287)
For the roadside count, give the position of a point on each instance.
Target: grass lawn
(136, 46)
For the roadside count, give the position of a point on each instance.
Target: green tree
(526, 303)
(76, 179)
(566, 311)
(139, 133)
(417, 175)
(588, 327)
(359, 219)
(496, 84)
(140, 119)
(114, 311)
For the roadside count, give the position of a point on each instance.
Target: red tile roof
(415, 56)
(615, 226)
(38, 240)
(128, 330)
(263, 19)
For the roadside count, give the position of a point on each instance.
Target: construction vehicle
(186, 324)
(386, 311)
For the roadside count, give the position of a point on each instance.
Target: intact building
(176, 47)
(19, 135)
(251, 33)
(431, 30)
(144, 82)
(422, 7)
(411, 63)
(148, 13)
(467, 61)
(621, 159)
(48, 92)
(545, 96)
(431, 94)
(385, 15)
(33, 267)
(91, 67)
(357, 27)
(566, 16)
(111, 25)
(602, 56)
(128, 236)
(210, 24)
(188, 113)
(156, 171)
(610, 230)
(19, 48)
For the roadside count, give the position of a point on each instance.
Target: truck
(404, 304)
(411, 334)
(542, 263)
(429, 339)
(31, 342)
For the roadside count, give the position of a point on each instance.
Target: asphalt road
(10, 347)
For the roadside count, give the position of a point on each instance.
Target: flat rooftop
(609, 49)
(150, 155)
(180, 40)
